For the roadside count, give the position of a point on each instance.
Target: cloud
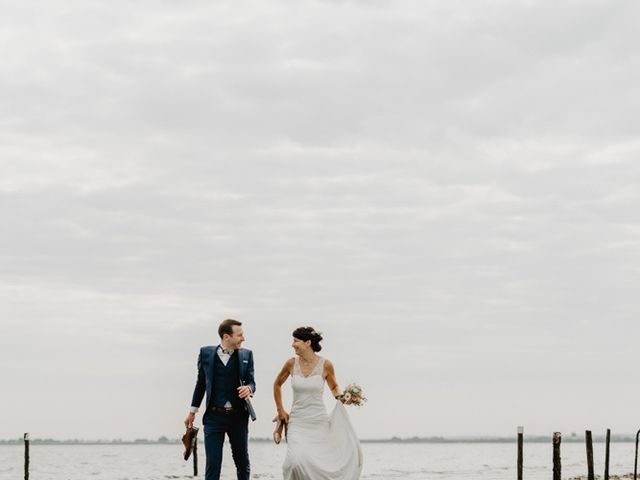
(440, 188)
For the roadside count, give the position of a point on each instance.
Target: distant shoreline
(433, 440)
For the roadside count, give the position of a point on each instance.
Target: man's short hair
(227, 326)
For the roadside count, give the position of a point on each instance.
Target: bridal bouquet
(353, 395)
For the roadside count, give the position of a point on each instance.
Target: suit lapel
(213, 362)
(209, 372)
(241, 364)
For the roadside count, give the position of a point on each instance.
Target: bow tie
(226, 352)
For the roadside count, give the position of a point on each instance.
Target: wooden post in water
(195, 456)
(557, 467)
(589, 441)
(520, 443)
(635, 464)
(606, 455)
(26, 456)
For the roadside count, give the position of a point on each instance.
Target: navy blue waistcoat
(226, 381)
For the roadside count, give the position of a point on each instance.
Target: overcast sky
(449, 190)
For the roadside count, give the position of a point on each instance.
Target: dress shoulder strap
(319, 368)
(296, 366)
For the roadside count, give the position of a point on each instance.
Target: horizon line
(163, 439)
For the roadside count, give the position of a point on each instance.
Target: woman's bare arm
(330, 376)
(277, 389)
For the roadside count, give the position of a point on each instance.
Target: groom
(225, 373)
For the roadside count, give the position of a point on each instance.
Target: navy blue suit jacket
(204, 384)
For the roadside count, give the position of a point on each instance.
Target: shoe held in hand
(188, 440)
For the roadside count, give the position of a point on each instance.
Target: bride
(320, 446)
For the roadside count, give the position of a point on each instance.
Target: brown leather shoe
(188, 439)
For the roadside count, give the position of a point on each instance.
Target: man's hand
(244, 392)
(188, 422)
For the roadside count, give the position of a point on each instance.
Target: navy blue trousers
(236, 427)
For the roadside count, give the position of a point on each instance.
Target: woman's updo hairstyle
(309, 333)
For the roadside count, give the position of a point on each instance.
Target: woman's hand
(283, 415)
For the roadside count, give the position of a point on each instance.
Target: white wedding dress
(320, 447)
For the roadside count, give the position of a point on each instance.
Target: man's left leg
(239, 439)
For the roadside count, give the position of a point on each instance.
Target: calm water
(382, 461)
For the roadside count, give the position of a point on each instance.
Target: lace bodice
(317, 370)
(308, 389)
